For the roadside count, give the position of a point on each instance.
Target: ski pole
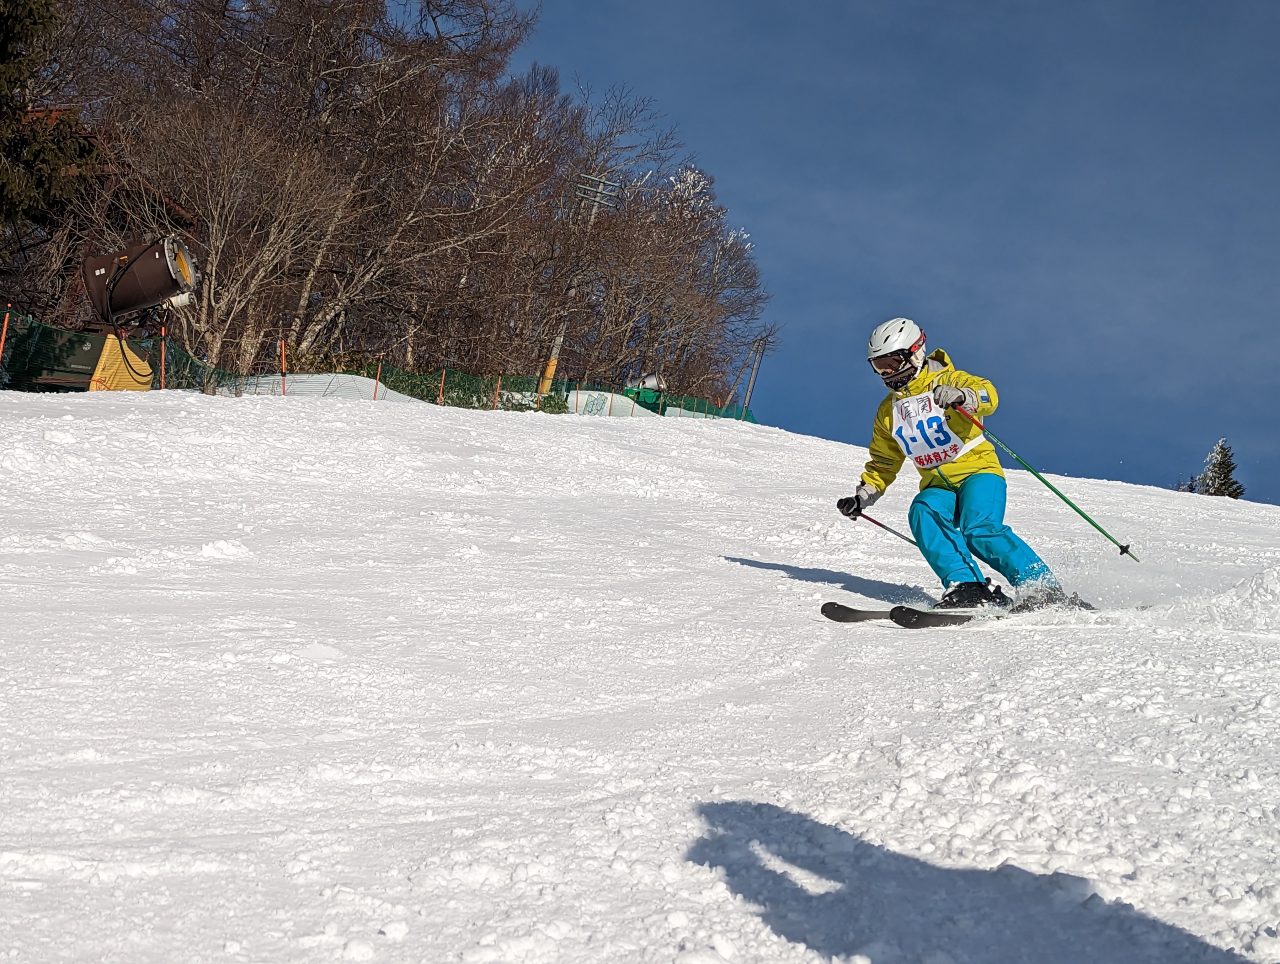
(888, 529)
(1124, 549)
(876, 522)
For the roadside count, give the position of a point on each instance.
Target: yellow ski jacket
(887, 455)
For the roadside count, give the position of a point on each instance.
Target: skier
(959, 511)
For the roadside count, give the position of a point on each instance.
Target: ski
(847, 614)
(909, 617)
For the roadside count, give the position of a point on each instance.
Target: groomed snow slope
(309, 680)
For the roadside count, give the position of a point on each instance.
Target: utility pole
(761, 346)
(597, 191)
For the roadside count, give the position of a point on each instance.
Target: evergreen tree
(1218, 477)
(1187, 485)
(38, 148)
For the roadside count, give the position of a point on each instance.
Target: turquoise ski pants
(954, 525)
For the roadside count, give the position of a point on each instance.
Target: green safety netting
(663, 404)
(32, 350)
(184, 371)
(40, 357)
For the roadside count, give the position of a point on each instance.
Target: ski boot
(972, 595)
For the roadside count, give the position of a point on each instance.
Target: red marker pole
(888, 529)
(4, 331)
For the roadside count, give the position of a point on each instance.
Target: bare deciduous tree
(358, 179)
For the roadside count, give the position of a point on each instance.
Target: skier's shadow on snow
(889, 592)
(826, 889)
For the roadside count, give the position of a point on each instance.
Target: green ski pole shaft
(1124, 549)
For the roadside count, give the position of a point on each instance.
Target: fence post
(164, 341)
(4, 331)
(377, 378)
(497, 389)
(440, 394)
(283, 369)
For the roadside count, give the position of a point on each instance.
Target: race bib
(921, 430)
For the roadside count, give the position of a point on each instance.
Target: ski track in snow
(311, 680)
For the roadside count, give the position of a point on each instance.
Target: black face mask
(898, 378)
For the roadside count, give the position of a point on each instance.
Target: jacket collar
(936, 361)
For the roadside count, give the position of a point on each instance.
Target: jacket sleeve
(982, 394)
(886, 457)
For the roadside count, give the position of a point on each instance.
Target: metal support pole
(598, 191)
(751, 382)
(549, 374)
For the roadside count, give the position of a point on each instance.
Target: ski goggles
(891, 363)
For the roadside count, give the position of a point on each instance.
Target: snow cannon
(128, 286)
(653, 382)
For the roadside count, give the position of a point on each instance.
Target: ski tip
(840, 613)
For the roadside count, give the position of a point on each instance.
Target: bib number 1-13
(920, 429)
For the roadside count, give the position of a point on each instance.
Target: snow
(314, 679)
(334, 385)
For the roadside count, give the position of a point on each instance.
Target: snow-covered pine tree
(1218, 477)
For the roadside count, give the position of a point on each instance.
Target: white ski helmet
(896, 351)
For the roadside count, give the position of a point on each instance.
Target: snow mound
(1252, 604)
(223, 549)
(1258, 592)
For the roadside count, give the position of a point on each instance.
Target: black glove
(852, 505)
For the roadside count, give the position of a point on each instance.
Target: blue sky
(1079, 201)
